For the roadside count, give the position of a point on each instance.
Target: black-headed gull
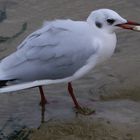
(62, 51)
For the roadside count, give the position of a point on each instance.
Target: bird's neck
(107, 46)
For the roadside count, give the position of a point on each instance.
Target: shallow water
(117, 78)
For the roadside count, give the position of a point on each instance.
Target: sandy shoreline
(115, 84)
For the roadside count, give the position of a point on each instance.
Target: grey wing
(50, 53)
(31, 47)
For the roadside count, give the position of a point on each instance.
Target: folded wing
(53, 52)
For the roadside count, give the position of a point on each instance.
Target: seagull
(62, 51)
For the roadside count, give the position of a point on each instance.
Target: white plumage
(61, 51)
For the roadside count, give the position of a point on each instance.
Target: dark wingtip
(3, 83)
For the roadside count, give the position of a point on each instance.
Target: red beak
(129, 25)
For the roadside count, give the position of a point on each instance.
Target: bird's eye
(110, 21)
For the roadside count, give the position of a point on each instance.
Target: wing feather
(55, 50)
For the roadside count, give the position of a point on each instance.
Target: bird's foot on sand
(84, 110)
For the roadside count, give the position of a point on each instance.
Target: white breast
(107, 47)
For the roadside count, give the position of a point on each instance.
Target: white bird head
(109, 20)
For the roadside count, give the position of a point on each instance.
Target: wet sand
(113, 88)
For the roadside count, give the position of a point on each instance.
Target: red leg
(43, 99)
(70, 90)
(42, 103)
